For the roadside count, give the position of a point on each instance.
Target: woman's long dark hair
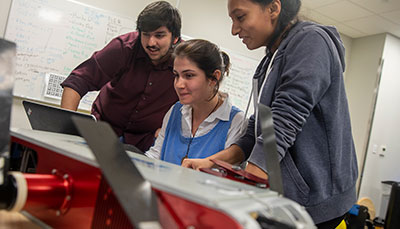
(289, 12)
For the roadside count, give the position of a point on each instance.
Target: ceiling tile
(317, 17)
(396, 32)
(378, 6)
(312, 4)
(343, 11)
(355, 18)
(349, 31)
(372, 25)
(393, 16)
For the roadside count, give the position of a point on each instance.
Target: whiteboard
(53, 37)
(239, 82)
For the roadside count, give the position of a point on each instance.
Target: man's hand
(157, 132)
(70, 99)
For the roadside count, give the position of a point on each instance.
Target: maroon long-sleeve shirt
(134, 94)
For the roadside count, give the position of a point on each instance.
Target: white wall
(208, 19)
(385, 130)
(361, 82)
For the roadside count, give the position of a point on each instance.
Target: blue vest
(175, 145)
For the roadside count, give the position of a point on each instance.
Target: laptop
(53, 119)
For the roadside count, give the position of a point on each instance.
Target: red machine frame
(76, 195)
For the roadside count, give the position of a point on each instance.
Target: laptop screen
(53, 119)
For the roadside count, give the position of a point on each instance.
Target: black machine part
(266, 223)
(7, 69)
(392, 219)
(133, 192)
(8, 193)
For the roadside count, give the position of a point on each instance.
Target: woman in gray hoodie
(301, 79)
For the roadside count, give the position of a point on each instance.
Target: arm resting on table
(233, 155)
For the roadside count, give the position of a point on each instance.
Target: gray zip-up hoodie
(305, 90)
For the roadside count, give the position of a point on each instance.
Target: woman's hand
(255, 170)
(232, 155)
(197, 164)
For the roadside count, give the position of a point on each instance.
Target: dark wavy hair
(289, 11)
(207, 56)
(158, 14)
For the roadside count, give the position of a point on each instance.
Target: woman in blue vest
(203, 122)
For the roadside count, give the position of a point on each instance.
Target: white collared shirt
(222, 113)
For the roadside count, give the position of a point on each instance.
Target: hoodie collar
(330, 31)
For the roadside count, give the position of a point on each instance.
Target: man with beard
(134, 76)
